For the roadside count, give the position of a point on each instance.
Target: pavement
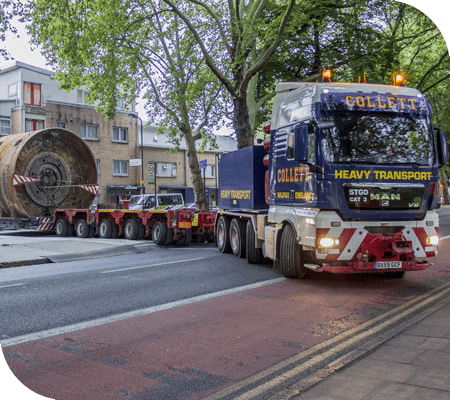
(20, 248)
(414, 364)
(411, 361)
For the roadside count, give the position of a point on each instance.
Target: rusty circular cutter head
(58, 158)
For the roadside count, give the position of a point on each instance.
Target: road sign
(135, 162)
(202, 164)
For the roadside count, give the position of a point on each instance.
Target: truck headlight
(327, 243)
(432, 240)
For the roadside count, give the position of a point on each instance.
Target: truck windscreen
(377, 138)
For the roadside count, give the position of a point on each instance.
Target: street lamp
(133, 115)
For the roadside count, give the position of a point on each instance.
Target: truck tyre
(254, 254)
(131, 229)
(291, 262)
(82, 229)
(169, 237)
(141, 232)
(114, 230)
(105, 229)
(237, 237)
(159, 232)
(62, 227)
(223, 234)
(186, 239)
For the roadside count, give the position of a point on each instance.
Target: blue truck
(345, 182)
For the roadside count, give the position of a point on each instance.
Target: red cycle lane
(191, 351)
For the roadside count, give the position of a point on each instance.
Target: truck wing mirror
(301, 143)
(442, 147)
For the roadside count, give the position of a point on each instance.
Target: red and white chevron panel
(45, 224)
(90, 188)
(354, 240)
(22, 180)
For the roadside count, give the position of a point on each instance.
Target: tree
(118, 49)
(242, 39)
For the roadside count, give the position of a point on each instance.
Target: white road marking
(152, 265)
(15, 284)
(137, 313)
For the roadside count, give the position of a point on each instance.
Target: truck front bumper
(354, 267)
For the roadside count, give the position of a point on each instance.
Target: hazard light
(327, 75)
(399, 79)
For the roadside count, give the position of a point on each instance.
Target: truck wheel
(159, 232)
(291, 262)
(223, 234)
(105, 229)
(254, 254)
(82, 229)
(62, 227)
(131, 229)
(237, 237)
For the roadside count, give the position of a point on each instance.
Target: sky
(19, 49)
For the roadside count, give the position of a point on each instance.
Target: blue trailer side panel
(241, 179)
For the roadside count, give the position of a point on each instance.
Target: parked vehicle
(164, 201)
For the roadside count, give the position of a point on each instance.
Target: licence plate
(387, 265)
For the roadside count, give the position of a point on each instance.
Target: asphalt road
(42, 297)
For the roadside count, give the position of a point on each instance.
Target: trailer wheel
(254, 254)
(131, 229)
(291, 262)
(141, 232)
(105, 229)
(62, 227)
(82, 229)
(223, 234)
(186, 239)
(159, 232)
(237, 237)
(169, 237)
(114, 230)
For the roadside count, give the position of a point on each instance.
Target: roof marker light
(327, 75)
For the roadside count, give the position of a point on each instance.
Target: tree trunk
(242, 121)
(197, 181)
(444, 186)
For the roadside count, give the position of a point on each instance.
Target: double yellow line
(337, 351)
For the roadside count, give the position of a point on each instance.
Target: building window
(5, 126)
(82, 96)
(89, 132)
(120, 135)
(120, 168)
(32, 94)
(61, 124)
(210, 171)
(34, 124)
(166, 169)
(12, 90)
